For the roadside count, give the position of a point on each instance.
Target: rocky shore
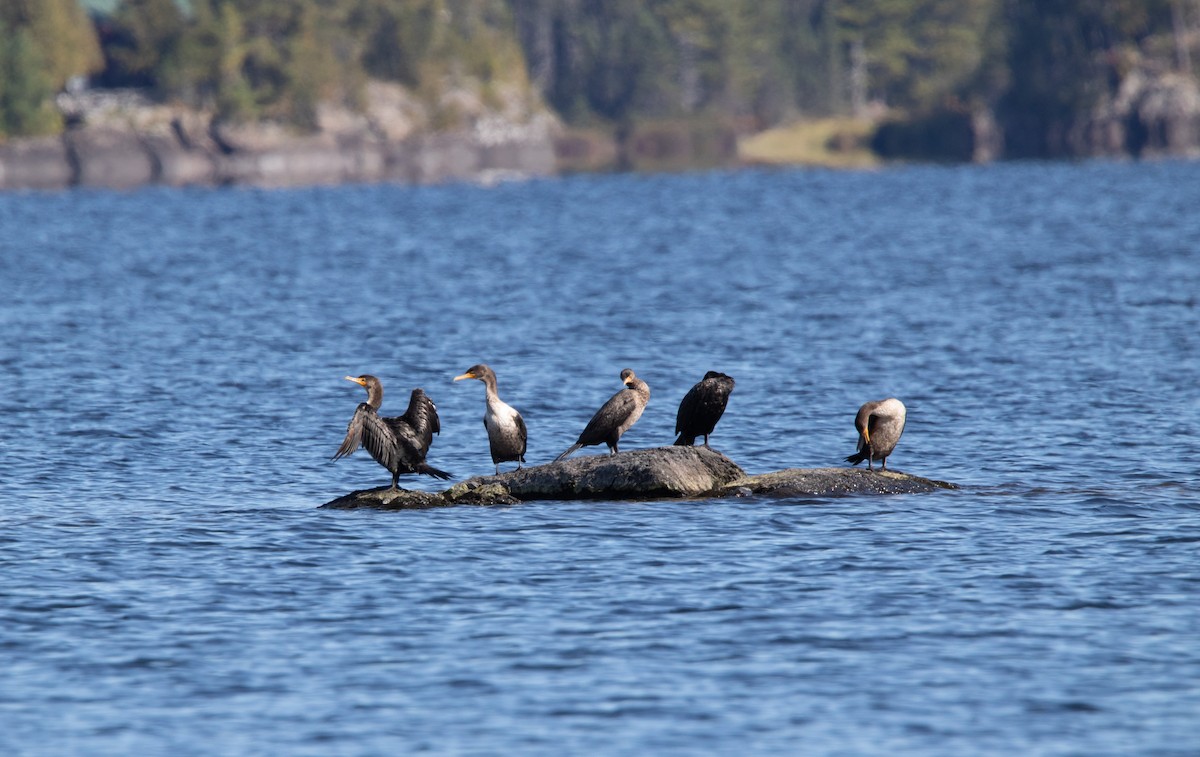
(659, 473)
(121, 139)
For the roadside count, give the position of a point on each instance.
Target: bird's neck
(375, 396)
(492, 394)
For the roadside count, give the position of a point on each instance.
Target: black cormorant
(505, 427)
(620, 412)
(879, 425)
(702, 407)
(398, 444)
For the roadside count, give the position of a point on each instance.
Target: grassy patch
(827, 142)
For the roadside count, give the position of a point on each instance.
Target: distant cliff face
(1152, 113)
(120, 139)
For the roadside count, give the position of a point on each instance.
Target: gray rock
(828, 482)
(109, 158)
(660, 473)
(445, 157)
(177, 165)
(637, 474)
(384, 498)
(36, 163)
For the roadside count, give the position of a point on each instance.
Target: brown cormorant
(702, 407)
(398, 444)
(505, 427)
(879, 425)
(620, 412)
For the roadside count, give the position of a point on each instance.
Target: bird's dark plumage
(398, 444)
(702, 407)
(507, 435)
(616, 416)
(879, 426)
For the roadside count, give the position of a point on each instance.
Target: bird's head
(478, 372)
(373, 386)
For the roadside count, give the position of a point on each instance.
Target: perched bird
(879, 425)
(505, 427)
(702, 407)
(616, 416)
(398, 444)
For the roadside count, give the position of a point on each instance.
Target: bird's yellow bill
(866, 435)
(355, 379)
(464, 376)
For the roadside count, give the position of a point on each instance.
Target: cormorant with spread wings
(398, 444)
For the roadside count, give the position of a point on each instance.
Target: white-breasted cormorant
(879, 425)
(616, 416)
(398, 444)
(702, 407)
(507, 435)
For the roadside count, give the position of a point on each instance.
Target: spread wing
(367, 429)
(422, 418)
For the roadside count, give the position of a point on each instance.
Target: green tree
(62, 32)
(398, 35)
(1063, 57)
(141, 36)
(913, 52)
(207, 67)
(311, 68)
(25, 87)
(234, 94)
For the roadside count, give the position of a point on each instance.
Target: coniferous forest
(1035, 72)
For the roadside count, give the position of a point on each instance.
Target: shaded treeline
(1038, 68)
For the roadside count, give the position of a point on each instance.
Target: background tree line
(1037, 64)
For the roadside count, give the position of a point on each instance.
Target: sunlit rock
(635, 474)
(828, 482)
(659, 473)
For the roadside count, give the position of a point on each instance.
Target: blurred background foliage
(1036, 65)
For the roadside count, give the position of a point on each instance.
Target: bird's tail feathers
(429, 470)
(858, 457)
(685, 441)
(568, 453)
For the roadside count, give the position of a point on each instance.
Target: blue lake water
(171, 392)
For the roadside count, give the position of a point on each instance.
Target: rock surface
(637, 474)
(660, 473)
(385, 498)
(830, 482)
(120, 139)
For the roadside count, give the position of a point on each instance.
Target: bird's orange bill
(466, 375)
(355, 379)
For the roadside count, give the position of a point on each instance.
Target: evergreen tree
(25, 87)
(140, 36)
(63, 33)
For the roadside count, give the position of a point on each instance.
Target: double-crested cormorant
(398, 444)
(879, 425)
(505, 427)
(620, 412)
(701, 408)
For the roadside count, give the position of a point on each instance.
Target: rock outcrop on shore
(659, 473)
(121, 139)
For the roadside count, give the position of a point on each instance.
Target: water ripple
(167, 584)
